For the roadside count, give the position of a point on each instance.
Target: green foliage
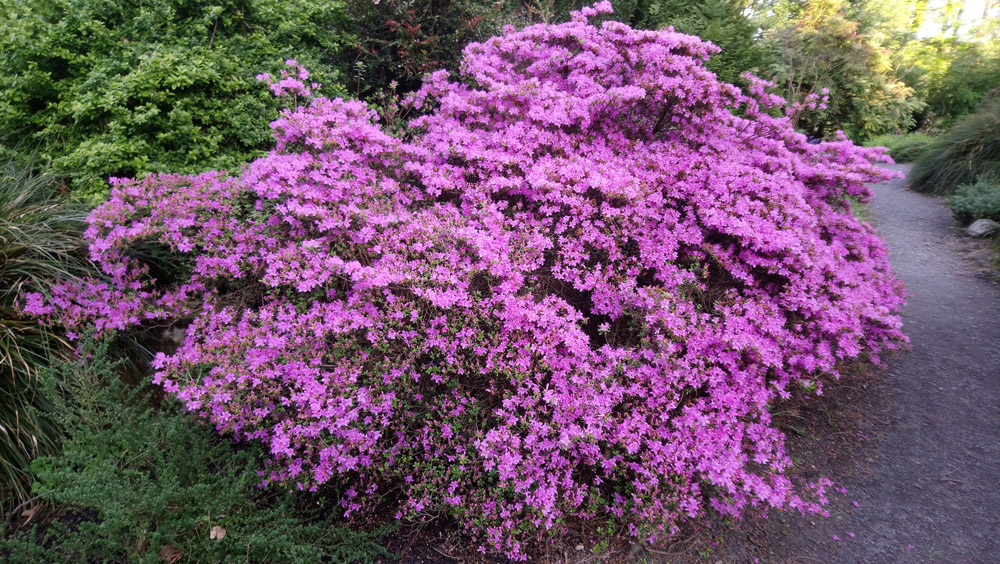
(152, 483)
(903, 148)
(970, 150)
(40, 241)
(972, 70)
(952, 71)
(120, 88)
(979, 200)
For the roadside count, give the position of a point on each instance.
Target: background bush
(401, 40)
(902, 148)
(968, 151)
(121, 88)
(960, 74)
(150, 484)
(826, 44)
(979, 200)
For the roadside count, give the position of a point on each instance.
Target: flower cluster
(572, 292)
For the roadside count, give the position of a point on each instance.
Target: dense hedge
(571, 293)
(117, 87)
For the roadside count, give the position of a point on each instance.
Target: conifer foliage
(570, 292)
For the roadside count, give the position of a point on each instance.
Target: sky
(972, 11)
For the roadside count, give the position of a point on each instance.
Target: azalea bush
(572, 292)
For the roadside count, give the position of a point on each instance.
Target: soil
(913, 448)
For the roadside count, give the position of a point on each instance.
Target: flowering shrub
(571, 293)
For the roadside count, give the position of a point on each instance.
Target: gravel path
(915, 449)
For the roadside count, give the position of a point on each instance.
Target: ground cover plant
(570, 291)
(979, 200)
(138, 480)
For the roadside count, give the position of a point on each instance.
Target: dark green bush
(980, 200)
(401, 40)
(152, 483)
(970, 150)
(120, 88)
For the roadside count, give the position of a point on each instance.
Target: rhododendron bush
(570, 292)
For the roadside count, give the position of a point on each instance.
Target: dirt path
(916, 449)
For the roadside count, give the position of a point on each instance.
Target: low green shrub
(153, 484)
(979, 200)
(967, 152)
(903, 148)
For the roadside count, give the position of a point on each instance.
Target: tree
(954, 72)
(824, 50)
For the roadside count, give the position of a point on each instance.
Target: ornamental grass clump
(570, 293)
(969, 151)
(39, 242)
